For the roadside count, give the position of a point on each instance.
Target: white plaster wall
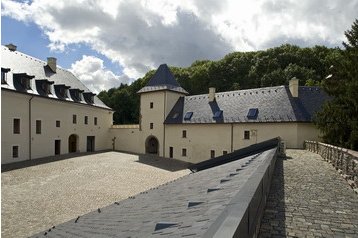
(128, 140)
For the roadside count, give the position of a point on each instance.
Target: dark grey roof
(274, 104)
(163, 79)
(19, 63)
(189, 206)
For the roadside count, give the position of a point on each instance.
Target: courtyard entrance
(151, 145)
(72, 143)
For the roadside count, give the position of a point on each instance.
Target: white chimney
(11, 47)
(211, 94)
(294, 87)
(51, 62)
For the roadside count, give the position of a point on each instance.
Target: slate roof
(163, 79)
(274, 104)
(192, 205)
(19, 62)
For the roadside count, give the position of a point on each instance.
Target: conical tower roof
(163, 79)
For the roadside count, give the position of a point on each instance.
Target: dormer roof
(163, 79)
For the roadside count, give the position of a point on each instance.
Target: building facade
(47, 111)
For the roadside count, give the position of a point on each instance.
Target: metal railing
(344, 160)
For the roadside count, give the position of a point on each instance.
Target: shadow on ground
(168, 164)
(273, 220)
(45, 160)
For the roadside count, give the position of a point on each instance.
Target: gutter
(30, 134)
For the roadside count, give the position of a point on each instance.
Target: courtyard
(36, 198)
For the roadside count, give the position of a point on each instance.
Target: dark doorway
(151, 145)
(72, 143)
(90, 143)
(171, 151)
(57, 147)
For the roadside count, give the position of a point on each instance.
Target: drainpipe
(30, 135)
(165, 102)
(232, 137)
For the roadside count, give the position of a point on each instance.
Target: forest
(335, 69)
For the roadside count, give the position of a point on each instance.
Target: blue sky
(132, 37)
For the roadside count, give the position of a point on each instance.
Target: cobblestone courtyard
(308, 198)
(36, 198)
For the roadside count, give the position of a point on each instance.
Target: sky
(109, 42)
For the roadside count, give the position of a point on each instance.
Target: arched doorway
(151, 145)
(73, 143)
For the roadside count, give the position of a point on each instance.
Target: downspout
(165, 101)
(30, 135)
(232, 137)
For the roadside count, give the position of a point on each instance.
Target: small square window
(183, 152)
(74, 119)
(38, 126)
(58, 123)
(184, 133)
(246, 135)
(212, 153)
(151, 105)
(16, 128)
(151, 125)
(86, 120)
(224, 152)
(15, 151)
(95, 121)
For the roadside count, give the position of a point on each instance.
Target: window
(95, 121)
(218, 114)
(171, 152)
(252, 113)
(212, 153)
(86, 120)
(151, 104)
(246, 135)
(188, 116)
(16, 126)
(224, 152)
(4, 75)
(151, 125)
(184, 133)
(74, 119)
(26, 82)
(58, 123)
(15, 151)
(183, 152)
(38, 126)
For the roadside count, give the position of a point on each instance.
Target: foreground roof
(20, 63)
(195, 205)
(163, 79)
(270, 104)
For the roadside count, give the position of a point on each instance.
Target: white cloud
(141, 34)
(91, 71)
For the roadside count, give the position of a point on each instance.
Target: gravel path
(36, 198)
(308, 198)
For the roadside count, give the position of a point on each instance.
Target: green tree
(338, 119)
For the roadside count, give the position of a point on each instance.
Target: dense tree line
(238, 70)
(338, 119)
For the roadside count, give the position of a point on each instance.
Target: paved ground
(38, 197)
(308, 198)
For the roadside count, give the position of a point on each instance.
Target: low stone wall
(344, 160)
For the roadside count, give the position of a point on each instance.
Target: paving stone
(314, 199)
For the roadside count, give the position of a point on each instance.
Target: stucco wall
(48, 112)
(128, 140)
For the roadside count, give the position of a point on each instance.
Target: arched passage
(73, 143)
(152, 145)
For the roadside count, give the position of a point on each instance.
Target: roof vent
(11, 47)
(211, 94)
(163, 225)
(51, 62)
(193, 204)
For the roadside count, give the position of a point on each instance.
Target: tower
(157, 99)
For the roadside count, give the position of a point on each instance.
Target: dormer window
(76, 94)
(22, 81)
(4, 72)
(43, 87)
(61, 91)
(89, 97)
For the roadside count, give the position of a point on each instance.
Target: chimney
(51, 62)
(11, 47)
(211, 94)
(294, 87)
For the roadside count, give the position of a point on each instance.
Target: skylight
(218, 114)
(188, 116)
(253, 112)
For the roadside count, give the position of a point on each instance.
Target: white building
(47, 111)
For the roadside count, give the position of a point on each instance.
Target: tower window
(184, 134)
(74, 119)
(86, 120)
(151, 125)
(95, 121)
(58, 123)
(151, 105)
(183, 152)
(38, 126)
